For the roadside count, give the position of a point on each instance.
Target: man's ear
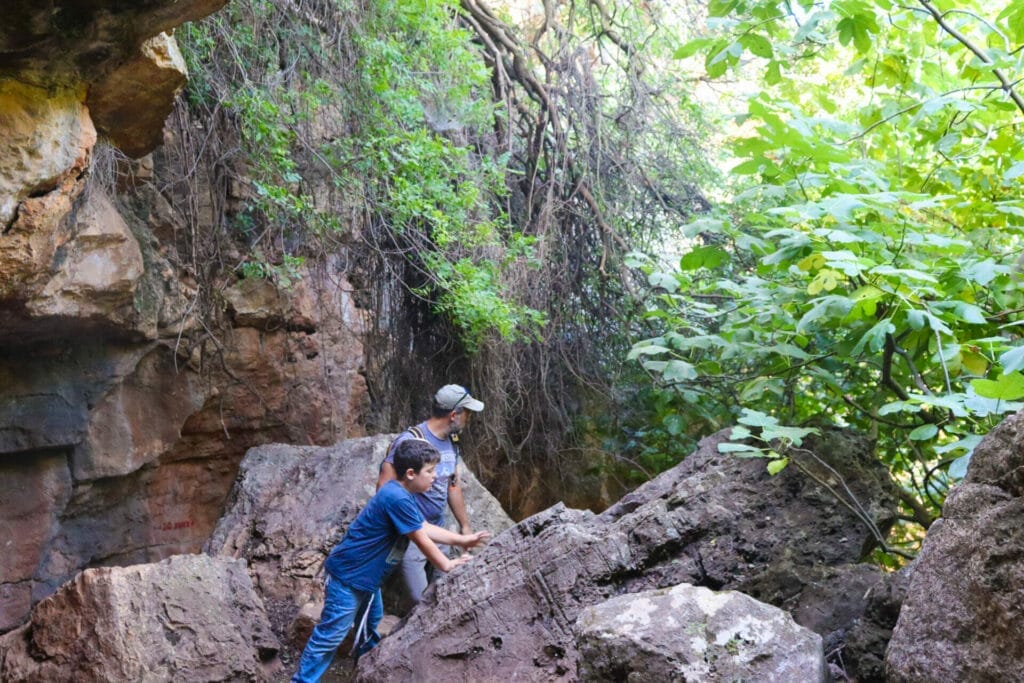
(410, 473)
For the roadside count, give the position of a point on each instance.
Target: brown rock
(256, 302)
(98, 268)
(45, 143)
(145, 516)
(962, 619)
(28, 518)
(130, 105)
(153, 440)
(63, 42)
(189, 618)
(42, 133)
(140, 419)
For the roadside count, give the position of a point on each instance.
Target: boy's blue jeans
(340, 606)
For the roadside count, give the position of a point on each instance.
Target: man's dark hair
(413, 454)
(438, 411)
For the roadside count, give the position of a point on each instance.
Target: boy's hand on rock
(473, 540)
(461, 559)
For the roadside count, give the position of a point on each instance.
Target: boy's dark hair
(413, 454)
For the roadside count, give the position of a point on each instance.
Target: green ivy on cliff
(362, 122)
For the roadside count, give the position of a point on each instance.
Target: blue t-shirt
(376, 540)
(433, 501)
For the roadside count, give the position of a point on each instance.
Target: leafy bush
(865, 272)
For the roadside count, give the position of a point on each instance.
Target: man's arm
(458, 504)
(422, 540)
(439, 534)
(387, 473)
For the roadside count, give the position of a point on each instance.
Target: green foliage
(476, 178)
(771, 441)
(382, 104)
(282, 275)
(865, 271)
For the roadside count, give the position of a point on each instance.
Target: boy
(373, 545)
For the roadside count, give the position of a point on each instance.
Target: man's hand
(466, 529)
(473, 540)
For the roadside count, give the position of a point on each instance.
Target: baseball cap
(454, 396)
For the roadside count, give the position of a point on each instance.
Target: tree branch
(1007, 86)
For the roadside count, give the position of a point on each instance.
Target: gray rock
(962, 619)
(716, 521)
(688, 633)
(290, 505)
(188, 618)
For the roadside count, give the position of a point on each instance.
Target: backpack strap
(416, 433)
(454, 440)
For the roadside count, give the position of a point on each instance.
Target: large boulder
(292, 504)
(715, 520)
(962, 619)
(689, 633)
(188, 618)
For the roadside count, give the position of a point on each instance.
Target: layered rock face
(115, 453)
(123, 415)
(962, 619)
(715, 520)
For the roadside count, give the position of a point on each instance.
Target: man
(449, 415)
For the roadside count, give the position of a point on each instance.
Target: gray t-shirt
(433, 501)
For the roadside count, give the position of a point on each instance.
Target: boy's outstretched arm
(441, 535)
(433, 553)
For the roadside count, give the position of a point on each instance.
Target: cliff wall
(124, 411)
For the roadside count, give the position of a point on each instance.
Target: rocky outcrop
(291, 505)
(134, 373)
(56, 57)
(131, 104)
(962, 618)
(26, 527)
(688, 633)
(65, 40)
(114, 453)
(46, 139)
(98, 269)
(188, 618)
(715, 520)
